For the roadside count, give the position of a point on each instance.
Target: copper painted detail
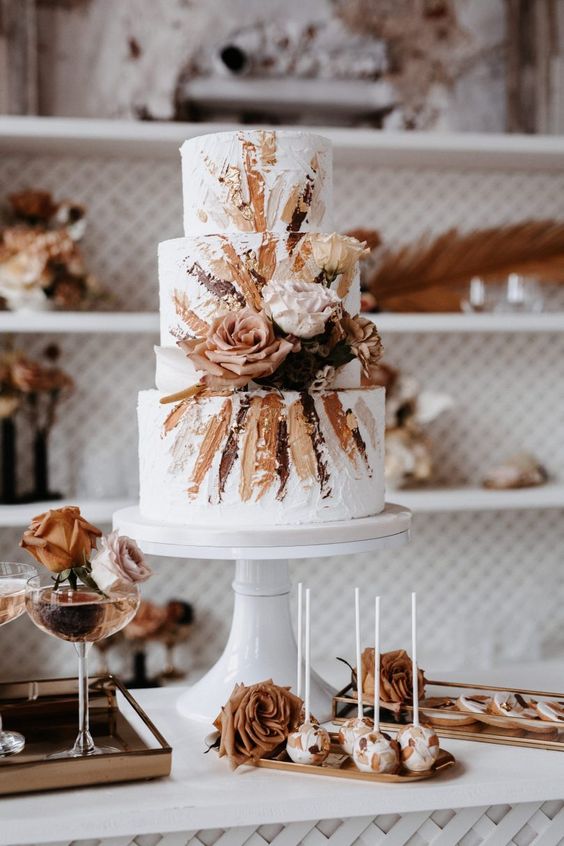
(213, 438)
(249, 450)
(221, 288)
(265, 458)
(255, 181)
(299, 440)
(188, 317)
(267, 145)
(317, 441)
(282, 458)
(231, 448)
(355, 431)
(339, 423)
(241, 275)
(175, 416)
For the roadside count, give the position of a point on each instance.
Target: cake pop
(359, 725)
(310, 743)
(419, 745)
(299, 667)
(376, 752)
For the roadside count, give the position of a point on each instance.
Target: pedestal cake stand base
(261, 643)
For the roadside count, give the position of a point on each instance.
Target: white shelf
(436, 500)
(141, 322)
(79, 321)
(463, 151)
(95, 510)
(543, 322)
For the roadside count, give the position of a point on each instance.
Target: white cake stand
(261, 643)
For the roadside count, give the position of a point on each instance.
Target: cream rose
(118, 559)
(239, 347)
(300, 308)
(335, 253)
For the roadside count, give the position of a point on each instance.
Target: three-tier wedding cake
(264, 408)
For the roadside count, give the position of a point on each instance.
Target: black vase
(41, 490)
(8, 468)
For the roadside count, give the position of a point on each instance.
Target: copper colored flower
(60, 538)
(33, 205)
(396, 678)
(239, 347)
(364, 341)
(31, 377)
(256, 720)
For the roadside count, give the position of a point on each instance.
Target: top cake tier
(257, 181)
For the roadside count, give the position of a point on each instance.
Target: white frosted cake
(263, 407)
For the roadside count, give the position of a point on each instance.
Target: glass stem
(84, 744)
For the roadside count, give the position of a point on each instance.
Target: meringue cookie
(310, 744)
(508, 705)
(352, 729)
(449, 714)
(419, 747)
(553, 711)
(473, 704)
(376, 752)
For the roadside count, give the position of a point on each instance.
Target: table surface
(203, 793)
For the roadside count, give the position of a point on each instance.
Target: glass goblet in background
(82, 617)
(176, 630)
(13, 580)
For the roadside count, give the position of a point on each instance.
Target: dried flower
(60, 538)
(118, 559)
(365, 342)
(396, 678)
(31, 377)
(34, 206)
(336, 254)
(324, 378)
(300, 308)
(256, 720)
(239, 347)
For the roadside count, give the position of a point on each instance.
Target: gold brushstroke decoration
(255, 181)
(291, 204)
(299, 439)
(211, 443)
(242, 277)
(267, 146)
(266, 258)
(302, 255)
(175, 416)
(338, 419)
(366, 417)
(249, 450)
(192, 391)
(267, 443)
(185, 313)
(533, 247)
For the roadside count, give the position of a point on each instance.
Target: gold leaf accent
(299, 439)
(255, 181)
(267, 145)
(249, 450)
(265, 461)
(241, 275)
(185, 313)
(215, 433)
(340, 424)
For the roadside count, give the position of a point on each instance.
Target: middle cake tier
(203, 276)
(281, 457)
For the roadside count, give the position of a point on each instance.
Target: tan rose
(239, 347)
(256, 720)
(336, 254)
(60, 538)
(364, 341)
(396, 678)
(31, 377)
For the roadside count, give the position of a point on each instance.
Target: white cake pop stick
(377, 664)
(358, 655)
(414, 659)
(307, 657)
(300, 636)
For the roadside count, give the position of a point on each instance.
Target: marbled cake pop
(356, 726)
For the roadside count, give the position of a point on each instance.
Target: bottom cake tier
(232, 458)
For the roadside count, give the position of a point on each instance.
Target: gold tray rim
(161, 754)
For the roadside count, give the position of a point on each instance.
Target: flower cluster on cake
(265, 405)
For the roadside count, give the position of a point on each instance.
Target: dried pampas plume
(448, 262)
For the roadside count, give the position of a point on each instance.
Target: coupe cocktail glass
(13, 580)
(82, 617)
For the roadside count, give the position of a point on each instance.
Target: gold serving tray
(340, 765)
(485, 729)
(46, 713)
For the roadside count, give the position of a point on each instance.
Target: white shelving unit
(79, 321)
(436, 500)
(97, 510)
(442, 323)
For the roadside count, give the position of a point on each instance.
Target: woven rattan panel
(526, 824)
(491, 585)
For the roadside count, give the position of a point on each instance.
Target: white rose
(335, 253)
(118, 559)
(300, 308)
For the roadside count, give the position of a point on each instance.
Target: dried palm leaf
(533, 248)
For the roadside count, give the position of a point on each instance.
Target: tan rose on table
(60, 538)
(298, 307)
(396, 678)
(118, 560)
(256, 720)
(335, 253)
(239, 347)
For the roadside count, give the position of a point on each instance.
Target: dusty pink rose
(118, 559)
(239, 347)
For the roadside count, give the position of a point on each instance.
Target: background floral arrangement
(41, 264)
(300, 337)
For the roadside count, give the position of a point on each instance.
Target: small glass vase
(82, 617)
